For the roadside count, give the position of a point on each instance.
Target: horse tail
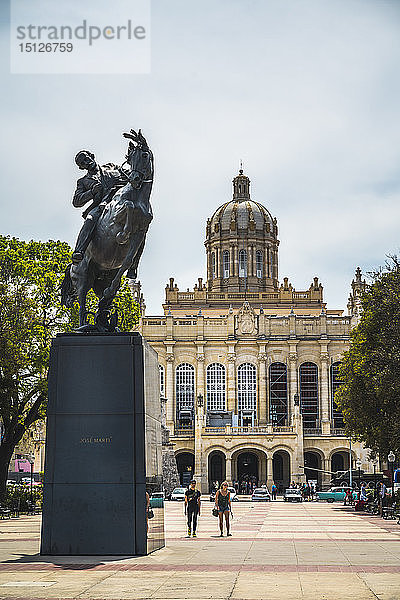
(68, 292)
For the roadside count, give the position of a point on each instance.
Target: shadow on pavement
(73, 563)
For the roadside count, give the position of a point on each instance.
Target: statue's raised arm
(113, 236)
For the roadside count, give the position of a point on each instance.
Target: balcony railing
(184, 431)
(312, 431)
(256, 430)
(339, 431)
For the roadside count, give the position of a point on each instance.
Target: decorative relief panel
(246, 320)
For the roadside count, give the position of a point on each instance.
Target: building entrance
(185, 465)
(247, 467)
(216, 469)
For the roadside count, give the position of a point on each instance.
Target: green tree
(369, 396)
(30, 315)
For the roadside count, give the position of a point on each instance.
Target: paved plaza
(312, 551)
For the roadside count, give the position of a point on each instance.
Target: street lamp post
(350, 464)
(358, 463)
(374, 463)
(391, 459)
(31, 459)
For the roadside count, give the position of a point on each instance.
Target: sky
(306, 93)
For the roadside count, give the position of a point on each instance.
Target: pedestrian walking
(223, 505)
(192, 507)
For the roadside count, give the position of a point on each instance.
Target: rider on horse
(99, 185)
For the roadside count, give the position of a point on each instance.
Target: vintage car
(157, 500)
(334, 494)
(292, 495)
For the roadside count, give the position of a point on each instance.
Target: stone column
(326, 477)
(298, 454)
(236, 263)
(169, 389)
(228, 469)
(232, 261)
(292, 377)
(324, 388)
(270, 473)
(231, 377)
(263, 468)
(250, 259)
(198, 447)
(262, 386)
(200, 389)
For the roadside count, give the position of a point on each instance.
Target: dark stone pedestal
(103, 445)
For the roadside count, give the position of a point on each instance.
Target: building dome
(242, 244)
(241, 213)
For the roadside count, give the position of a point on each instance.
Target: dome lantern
(241, 187)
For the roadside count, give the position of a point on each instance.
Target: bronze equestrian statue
(112, 238)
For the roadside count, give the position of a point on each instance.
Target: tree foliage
(30, 315)
(369, 396)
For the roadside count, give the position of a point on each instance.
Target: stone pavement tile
(21, 576)
(267, 586)
(385, 586)
(199, 585)
(332, 586)
(51, 585)
(128, 585)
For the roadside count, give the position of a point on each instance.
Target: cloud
(307, 94)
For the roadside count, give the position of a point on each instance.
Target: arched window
(216, 387)
(184, 393)
(278, 404)
(259, 263)
(213, 266)
(247, 393)
(337, 416)
(309, 394)
(242, 263)
(268, 262)
(162, 380)
(225, 263)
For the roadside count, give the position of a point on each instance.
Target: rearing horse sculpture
(118, 240)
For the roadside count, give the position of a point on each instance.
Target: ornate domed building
(242, 244)
(249, 365)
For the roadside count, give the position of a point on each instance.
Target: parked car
(261, 495)
(157, 500)
(292, 495)
(178, 494)
(334, 494)
(234, 497)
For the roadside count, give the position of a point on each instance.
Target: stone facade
(249, 366)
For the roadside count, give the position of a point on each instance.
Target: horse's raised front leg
(123, 236)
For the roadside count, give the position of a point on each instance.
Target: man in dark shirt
(192, 507)
(98, 186)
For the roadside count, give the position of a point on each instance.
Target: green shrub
(22, 493)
